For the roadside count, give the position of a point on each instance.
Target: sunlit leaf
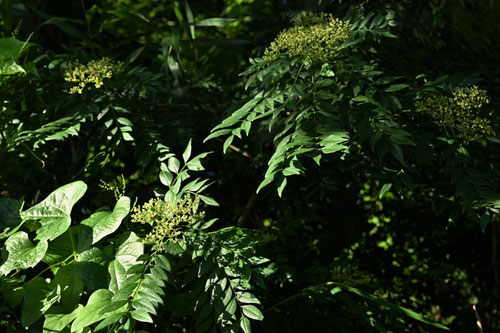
(102, 223)
(129, 248)
(54, 212)
(252, 312)
(22, 253)
(90, 313)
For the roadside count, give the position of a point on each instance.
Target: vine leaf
(22, 253)
(57, 318)
(130, 247)
(54, 212)
(10, 51)
(9, 216)
(61, 247)
(91, 269)
(102, 223)
(38, 298)
(70, 284)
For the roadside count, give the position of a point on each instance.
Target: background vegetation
(354, 180)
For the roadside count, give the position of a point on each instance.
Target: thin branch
(247, 209)
(236, 149)
(478, 320)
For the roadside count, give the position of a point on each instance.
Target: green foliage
(459, 113)
(11, 50)
(125, 276)
(379, 118)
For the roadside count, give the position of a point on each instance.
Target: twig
(478, 320)
(236, 149)
(32, 153)
(247, 209)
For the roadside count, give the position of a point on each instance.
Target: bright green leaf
(245, 325)
(90, 313)
(227, 143)
(54, 212)
(129, 248)
(101, 224)
(57, 318)
(209, 201)
(214, 22)
(127, 136)
(22, 253)
(124, 121)
(385, 189)
(252, 312)
(174, 164)
(166, 178)
(187, 152)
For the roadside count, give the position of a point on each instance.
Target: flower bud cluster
(316, 36)
(459, 113)
(168, 220)
(94, 72)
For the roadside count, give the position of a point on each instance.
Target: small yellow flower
(168, 220)
(459, 113)
(93, 73)
(317, 36)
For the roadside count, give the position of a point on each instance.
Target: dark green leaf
(38, 298)
(396, 87)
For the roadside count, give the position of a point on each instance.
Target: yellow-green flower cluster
(459, 113)
(115, 188)
(316, 36)
(94, 72)
(168, 220)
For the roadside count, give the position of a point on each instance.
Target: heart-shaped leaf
(70, 284)
(102, 223)
(54, 212)
(91, 269)
(38, 298)
(22, 252)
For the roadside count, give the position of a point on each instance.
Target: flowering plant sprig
(94, 72)
(317, 36)
(459, 113)
(169, 220)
